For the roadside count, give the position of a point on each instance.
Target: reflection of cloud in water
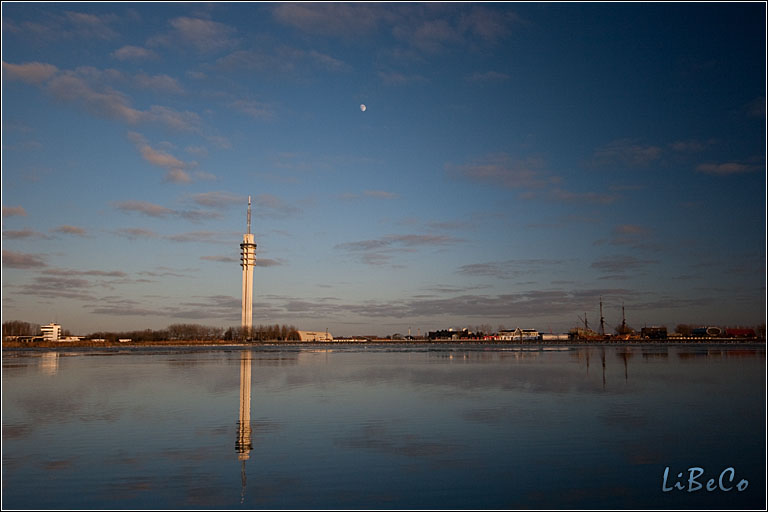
(16, 431)
(624, 416)
(377, 436)
(57, 465)
(128, 488)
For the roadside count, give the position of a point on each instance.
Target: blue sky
(515, 163)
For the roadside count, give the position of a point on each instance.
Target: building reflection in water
(243, 444)
(49, 363)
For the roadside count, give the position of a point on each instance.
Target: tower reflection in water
(243, 444)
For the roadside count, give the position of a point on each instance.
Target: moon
(362, 107)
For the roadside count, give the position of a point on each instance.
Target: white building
(519, 335)
(51, 332)
(315, 336)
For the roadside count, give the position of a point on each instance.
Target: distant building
(653, 333)
(740, 333)
(555, 337)
(51, 332)
(519, 335)
(449, 334)
(315, 336)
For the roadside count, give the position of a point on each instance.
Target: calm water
(426, 427)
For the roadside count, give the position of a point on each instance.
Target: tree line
(174, 332)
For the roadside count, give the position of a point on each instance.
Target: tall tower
(247, 261)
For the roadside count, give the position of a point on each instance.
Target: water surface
(377, 426)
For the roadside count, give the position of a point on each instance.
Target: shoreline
(226, 344)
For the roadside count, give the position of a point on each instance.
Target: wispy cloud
(254, 109)
(728, 168)
(488, 77)
(270, 206)
(208, 237)
(143, 207)
(380, 194)
(625, 152)
(135, 233)
(90, 88)
(421, 27)
(67, 86)
(375, 194)
(31, 72)
(14, 211)
(89, 26)
(620, 264)
(72, 272)
(398, 78)
(334, 19)
(56, 26)
(501, 169)
(18, 234)
(281, 59)
(69, 230)
(630, 235)
(380, 251)
(158, 211)
(12, 259)
(130, 52)
(56, 286)
(691, 145)
(432, 30)
(583, 197)
(176, 169)
(160, 83)
(218, 199)
(530, 305)
(203, 35)
(509, 269)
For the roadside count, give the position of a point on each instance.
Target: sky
(515, 164)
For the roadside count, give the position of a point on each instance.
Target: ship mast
(602, 319)
(623, 320)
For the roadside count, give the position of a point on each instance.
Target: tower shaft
(247, 262)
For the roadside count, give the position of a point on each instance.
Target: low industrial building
(315, 336)
(519, 335)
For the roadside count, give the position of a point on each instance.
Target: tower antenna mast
(249, 215)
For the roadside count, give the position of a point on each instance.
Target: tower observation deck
(247, 262)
